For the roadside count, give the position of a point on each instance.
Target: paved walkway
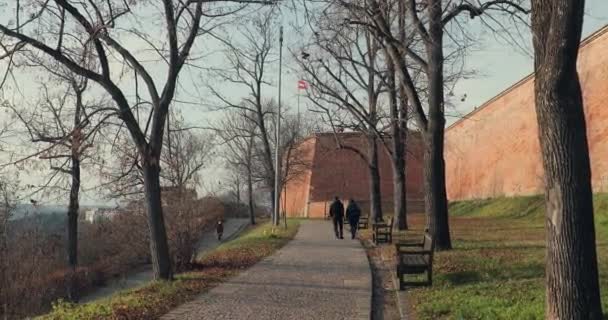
(208, 241)
(315, 276)
(232, 227)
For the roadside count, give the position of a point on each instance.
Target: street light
(277, 166)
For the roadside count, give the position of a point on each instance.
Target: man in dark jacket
(353, 212)
(336, 211)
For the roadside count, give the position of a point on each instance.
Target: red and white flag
(302, 84)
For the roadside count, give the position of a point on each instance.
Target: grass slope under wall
(496, 270)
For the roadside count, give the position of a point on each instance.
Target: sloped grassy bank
(496, 270)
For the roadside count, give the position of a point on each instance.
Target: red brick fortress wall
(494, 151)
(343, 173)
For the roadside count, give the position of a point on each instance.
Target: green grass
(500, 207)
(496, 270)
(157, 298)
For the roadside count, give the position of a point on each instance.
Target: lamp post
(277, 166)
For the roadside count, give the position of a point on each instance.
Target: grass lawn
(496, 270)
(157, 298)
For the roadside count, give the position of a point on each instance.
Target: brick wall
(495, 151)
(343, 173)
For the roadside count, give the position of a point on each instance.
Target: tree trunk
(159, 247)
(273, 219)
(267, 156)
(4, 263)
(73, 228)
(435, 193)
(571, 270)
(250, 197)
(403, 121)
(238, 190)
(397, 156)
(436, 203)
(374, 175)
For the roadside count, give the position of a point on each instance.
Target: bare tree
(55, 29)
(294, 165)
(238, 134)
(248, 68)
(424, 45)
(571, 271)
(64, 126)
(241, 140)
(346, 83)
(187, 152)
(398, 123)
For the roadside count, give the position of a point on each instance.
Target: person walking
(336, 212)
(219, 229)
(353, 212)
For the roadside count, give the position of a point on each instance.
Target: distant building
(98, 214)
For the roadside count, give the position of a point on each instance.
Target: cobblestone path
(315, 276)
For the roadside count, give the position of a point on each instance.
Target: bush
(35, 256)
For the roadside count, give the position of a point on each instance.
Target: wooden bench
(383, 232)
(363, 222)
(415, 258)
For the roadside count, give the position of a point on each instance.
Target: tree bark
(267, 154)
(4, 261)
(250, 179)
(159, 247)
(273, 219)
(250, 198)
(436, 203)
(397, 156)
(374, 175)
(74, 202)
(73, 228)
(571, 263)
(435, 193)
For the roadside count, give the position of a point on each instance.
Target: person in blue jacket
(353, 213)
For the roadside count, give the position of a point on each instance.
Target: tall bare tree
(55, 29)
(424, 45)
(249, 58)
(346, 83)
(237, 133)
(63, 126)
(187, 151)
(571, 270)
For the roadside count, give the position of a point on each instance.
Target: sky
(499, 64)
(494, 62)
